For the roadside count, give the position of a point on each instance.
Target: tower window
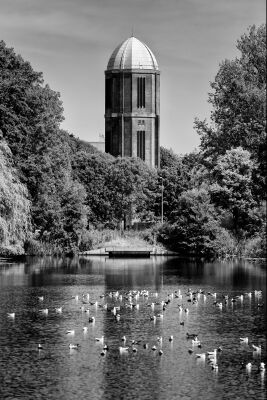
(141, 143)
(141, 91)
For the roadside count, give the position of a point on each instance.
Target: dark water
(56, 372)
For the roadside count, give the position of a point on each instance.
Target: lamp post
(161, 200)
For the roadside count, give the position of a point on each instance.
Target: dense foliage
(14, 206)
(58, 191)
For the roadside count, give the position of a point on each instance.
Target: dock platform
(125, 252)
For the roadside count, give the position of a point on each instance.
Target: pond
(159, 300)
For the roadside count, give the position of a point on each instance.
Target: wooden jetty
(128, 252)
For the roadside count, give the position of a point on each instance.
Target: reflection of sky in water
(58, 373)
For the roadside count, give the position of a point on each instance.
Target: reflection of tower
(132, 102)
(120, 378)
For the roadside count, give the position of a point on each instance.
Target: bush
(256, 246)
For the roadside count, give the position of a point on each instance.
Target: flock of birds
(117, 302)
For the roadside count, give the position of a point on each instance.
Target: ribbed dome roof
(132, 54)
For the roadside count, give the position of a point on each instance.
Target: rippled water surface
(56, 372)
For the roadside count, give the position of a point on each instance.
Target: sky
(71, 41)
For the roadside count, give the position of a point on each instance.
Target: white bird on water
(74, 346)
(202, 356)
(58, 310)
(244, 340)
(11, 315)
(44, 311)
(212, 353)
(123, 349)
(257, 348)
(71, 332)
(100, 340)
(262, 366)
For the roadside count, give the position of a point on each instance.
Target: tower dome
(132, 54)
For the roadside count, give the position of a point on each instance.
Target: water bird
(244, 340)
(262, 366)
(190, 351)
(202, 356)
(11, 315)
(74, 346)
(186, 310)
(75, 297)
(219, 349)
(257, 292)
(123, 349)
(195, 342)
(85, 329)
(145, 346)
(123, 339)
(44, 311)
(171, 338)
(214, 294)
(91, 319)
(233, 300)
(105, 347)
(159, 339)
(71, 332)
(134, 349)
(100, 340)
(214, 367)
(248, 365)
(159, 315)
(58, 310)
(40, 347)
(41, 298)
(257, 348)
(153, 317)
(160, 352)
(117, 317)
(103, 353)
(181, 322)
(136, 341)
(153, 348)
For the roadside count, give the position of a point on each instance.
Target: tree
(92, 171)
(238, 102)
(15, 221)
(195, 229)
(232, 187)
(30, 112)
(132, 187)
